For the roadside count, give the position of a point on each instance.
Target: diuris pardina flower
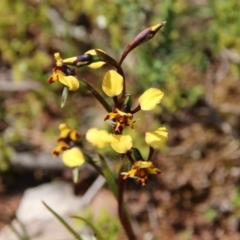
(156, 138)
(150, 98)
(64, 75)
(101, 138)
(119, 116)
(141, 170)
(121, 143)
(98, 138)
(122, 116)
(89, 58)
(72, 156)
(112, 86)
(120, 120)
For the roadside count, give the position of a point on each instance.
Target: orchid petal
(121, 143)
(73, 157)
(112, 83)
(98, 138)
(95, 64)
(70, 81)
(156, 138)
(150, 98)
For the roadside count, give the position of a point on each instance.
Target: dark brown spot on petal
(64, 148)
(107, 117)
(62, 139)
(50, 80)
(55, 153)
(142, 181)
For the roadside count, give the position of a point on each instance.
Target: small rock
(57, 195)
(41, 224)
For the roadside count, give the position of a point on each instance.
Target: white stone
(57, 195)
(39, 222)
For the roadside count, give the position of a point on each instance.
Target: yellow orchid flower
(61, 74)
(156, 138)
(112, 84)
(150, 98)
(120, 120)
(73, 157)
(140, 170)
(98, 138)
(101, 139)
(89, 58)
(67, 144)
(95, 64)
(121, 143)
(66, 132)
(61, 146)
(59, 60)
(69, 81)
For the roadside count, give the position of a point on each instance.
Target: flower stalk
(120, 115)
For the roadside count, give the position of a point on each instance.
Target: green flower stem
(108, 175)
(93, 164)
(124, 81)
(111, 61)
(138, 108)
(122, 211)
(150, 154)
(116, 103)
(129, 155)
(98, 96)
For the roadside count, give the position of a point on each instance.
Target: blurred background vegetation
(195, 60)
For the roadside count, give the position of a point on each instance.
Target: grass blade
(109, 176)
(95, 230)
(66, 225)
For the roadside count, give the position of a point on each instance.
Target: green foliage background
(185, 60)
(177, 60)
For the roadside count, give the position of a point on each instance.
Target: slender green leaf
(95, 230)
(137, 154)
(106, 58)
(97, 96)
(75, 172)
(109, 176)
(25, 234)
(64, 96)
(19, 236)
(68, 227)
(93, 163)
